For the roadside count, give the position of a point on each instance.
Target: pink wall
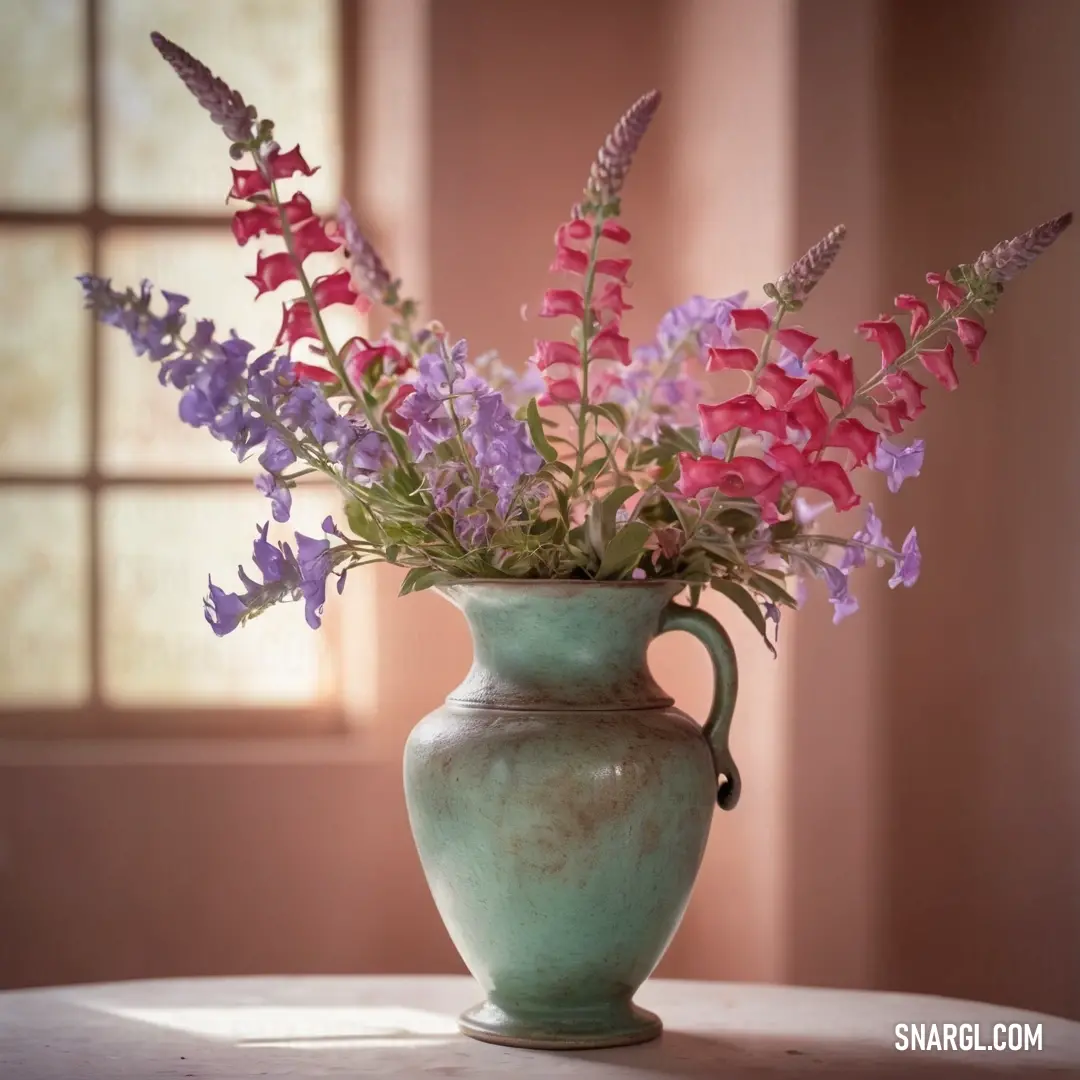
(911, 817)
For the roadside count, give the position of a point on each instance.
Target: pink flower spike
(571, 260)
(837, 373)
(909, 391)
(920, 312)
(891, 413)
(558, 302)
(741, 411)
(613, 268)
(358, 354)
(939, 362)
(313, 373)
(949, 294)
(971, 335)
(264, 218)
(830, 479)
(577, 229)
(851, 434)
(392, 407)
(886, 334)
(247, 224)
(611, 299)
(789, 460)
(296, 324)
(750, 319)
(560, 392)
(284, 165)
(616, 233)
(311, 237)
(247, 182)
(722, 358)
(556, 352)
(271, 271)
(609, 344)
(742, 476)
(779, 385)
(808, 414)
(335, 288)
(796, 339)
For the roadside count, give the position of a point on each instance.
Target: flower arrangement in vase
(562, 508)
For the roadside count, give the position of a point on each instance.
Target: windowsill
(343, 748)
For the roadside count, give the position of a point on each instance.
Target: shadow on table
(680, 1054)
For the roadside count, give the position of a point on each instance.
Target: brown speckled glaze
(561, 804)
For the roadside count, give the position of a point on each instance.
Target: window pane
(161, 150)
(43, 350)
(158, 547)
(43, 121)
(141, 432)
(43, 597)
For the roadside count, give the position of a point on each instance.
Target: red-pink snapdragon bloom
(885, 333)
(971, 335)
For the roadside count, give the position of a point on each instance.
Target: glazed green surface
(561, 806)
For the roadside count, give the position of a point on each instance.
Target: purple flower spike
(870, 533)
(223, 610)
(279, 495)
(899, 463)
(844, 604)
(314, 570)
(908, 564)
(226, 106)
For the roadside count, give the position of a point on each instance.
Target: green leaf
(564, 503)
(615, 413)
(423, 577)
(595, 534)
(613, 502)
(687, 515)
(695, 595)
(746, 603)
(362, 523)
(536, 431)
(557, 466)
(593, 470)
(737, 521)
(772, 589)
(624, 550)
(785, 530)
(683, 438)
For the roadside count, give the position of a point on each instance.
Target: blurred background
(172, 804)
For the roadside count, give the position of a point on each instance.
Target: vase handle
(725, 689)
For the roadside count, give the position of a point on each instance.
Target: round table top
(311, 1027)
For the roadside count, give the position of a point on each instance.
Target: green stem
(932, 329)
(586, 340)
(763, 360)
(470, 465)
(309, 294)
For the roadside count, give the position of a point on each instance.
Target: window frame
(95, 716)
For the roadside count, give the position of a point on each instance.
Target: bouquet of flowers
(598, 461)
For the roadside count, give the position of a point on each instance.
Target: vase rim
(652, 583)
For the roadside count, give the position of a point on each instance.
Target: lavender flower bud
(608, 172)
(1008, 258)
(225, 105)
(804, 274)
(366, 261)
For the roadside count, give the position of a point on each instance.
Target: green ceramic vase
(560, 804)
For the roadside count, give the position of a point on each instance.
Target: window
(113, 512)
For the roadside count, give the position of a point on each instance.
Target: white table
(308, 1028)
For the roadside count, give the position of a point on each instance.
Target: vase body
(560, 806)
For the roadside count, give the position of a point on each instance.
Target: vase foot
(617, 1024)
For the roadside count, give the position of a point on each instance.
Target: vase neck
(561, 645)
